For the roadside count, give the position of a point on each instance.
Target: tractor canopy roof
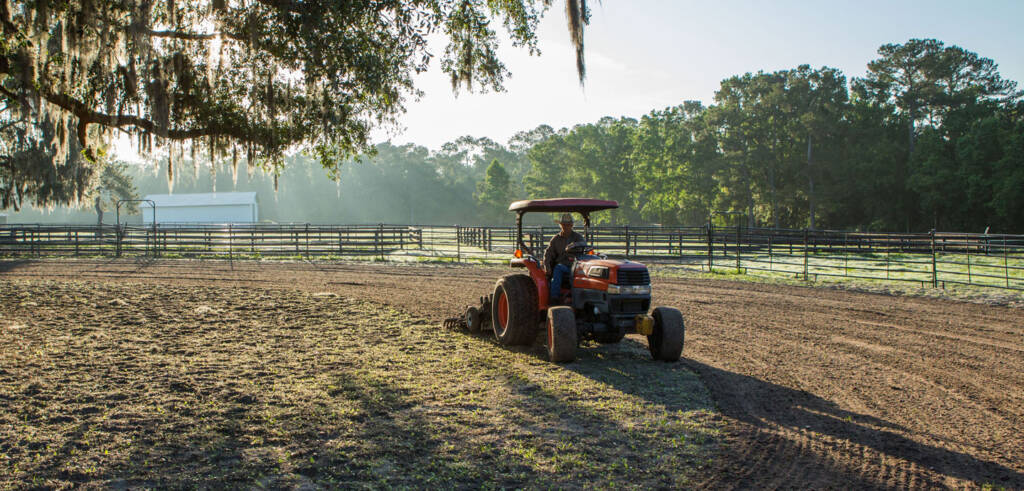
(579, 205)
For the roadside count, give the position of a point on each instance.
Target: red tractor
(605, 299)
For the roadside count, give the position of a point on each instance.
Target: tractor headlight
(642, 289)
(598, 272)
(629, 289)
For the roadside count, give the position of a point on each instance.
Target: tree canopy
(245, 79)
(494, 192)
(924, 80)
(795, 148)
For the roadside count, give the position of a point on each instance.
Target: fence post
(378, 240)
(846, 253)
(627, 240)
(739, 242)
(969, 278)
(770, 236)
(935, 274)
(711, 247)
(1006, 268)
(805, 254)
(458, 243)
(888, 251)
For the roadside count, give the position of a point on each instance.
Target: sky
(650, 54)
(644, 55)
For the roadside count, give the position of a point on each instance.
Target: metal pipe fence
(931, 259)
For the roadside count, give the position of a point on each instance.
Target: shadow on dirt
(8, 265)
(777, 424)
(386, 440)
(765, 408)
(628, 367)
(378, 440)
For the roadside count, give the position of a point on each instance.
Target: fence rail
(934, 259)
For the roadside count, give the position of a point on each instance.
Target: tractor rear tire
(473, 320)
(514, 310)
(562, 338)
(666, 342)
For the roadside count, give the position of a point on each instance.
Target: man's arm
(549, 256)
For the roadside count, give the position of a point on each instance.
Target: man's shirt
(555, 253)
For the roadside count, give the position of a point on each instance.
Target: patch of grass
(114, 386)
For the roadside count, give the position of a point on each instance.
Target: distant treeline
(930, 137)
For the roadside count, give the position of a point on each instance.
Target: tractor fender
(540, 279)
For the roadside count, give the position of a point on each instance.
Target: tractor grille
(633, 277)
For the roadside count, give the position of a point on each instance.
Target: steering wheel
(579, 247)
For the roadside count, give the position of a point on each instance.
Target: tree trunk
(772, 197)
(750, 195)
(810, 182)
(910, 132)
(772, 187)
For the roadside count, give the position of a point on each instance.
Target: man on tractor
(557, 261)
(609, 297)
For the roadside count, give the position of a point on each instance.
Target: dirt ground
(122, 385)
(812, 387)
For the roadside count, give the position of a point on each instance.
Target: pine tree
(494, 193)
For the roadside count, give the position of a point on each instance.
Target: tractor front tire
(561, 334)
(666, 342)
(473, 320)
(514, 310)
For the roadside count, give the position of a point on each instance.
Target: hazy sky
(644, 55)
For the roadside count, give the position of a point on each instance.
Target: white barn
(201, 208)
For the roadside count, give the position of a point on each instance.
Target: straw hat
(566, 218)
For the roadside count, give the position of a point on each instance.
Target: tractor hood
(614, 271)
(614, 263)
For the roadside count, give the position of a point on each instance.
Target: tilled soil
(818, 387)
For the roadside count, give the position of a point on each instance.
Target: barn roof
(202, 199)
